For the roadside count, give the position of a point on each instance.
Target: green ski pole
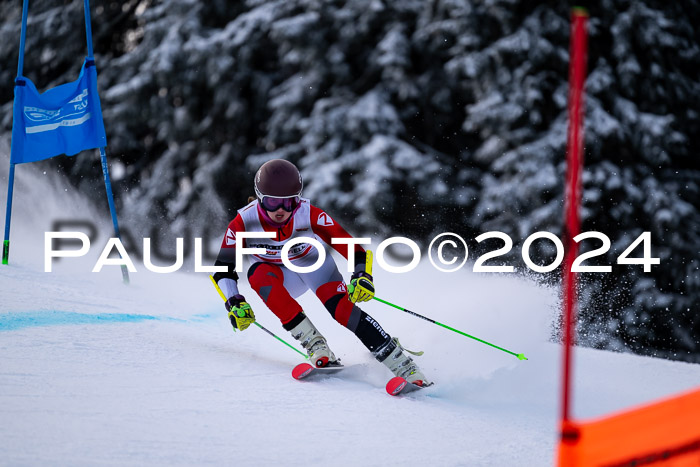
(519, 355)
(221, 294)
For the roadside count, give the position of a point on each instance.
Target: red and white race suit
(278, 286)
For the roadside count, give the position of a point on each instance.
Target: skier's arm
(228, 281)
(327, 229)
(361, 286)
(239, 311)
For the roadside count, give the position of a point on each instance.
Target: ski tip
(521, 356)
(308, 371)
(398, 385)
(395, 385)
(302, 370)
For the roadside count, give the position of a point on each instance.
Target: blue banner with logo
(66, 119)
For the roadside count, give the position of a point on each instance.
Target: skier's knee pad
(334, 296)
(262, 274)
(268, 282)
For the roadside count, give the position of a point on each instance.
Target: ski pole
(519, 355)
(221, 294)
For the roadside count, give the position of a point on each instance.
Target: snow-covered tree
(409, 117)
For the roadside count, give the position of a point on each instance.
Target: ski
(397, 385)
(308, 371)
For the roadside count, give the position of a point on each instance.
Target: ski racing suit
(278, 286)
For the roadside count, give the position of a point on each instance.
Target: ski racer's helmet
(278, 184)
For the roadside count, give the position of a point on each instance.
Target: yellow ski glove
(361, 287)
(240, 313)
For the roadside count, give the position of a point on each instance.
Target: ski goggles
(272, 204)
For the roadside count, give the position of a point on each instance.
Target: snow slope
(93, 372)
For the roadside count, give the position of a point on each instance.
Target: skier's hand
(361, 287)
(239, 312)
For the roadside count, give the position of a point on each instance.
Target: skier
(279, 208)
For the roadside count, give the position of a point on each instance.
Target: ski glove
(361, 287)
(239, 312)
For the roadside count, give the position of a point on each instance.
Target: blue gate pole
(112, 210)
(88, 27)
(22, 37)
(11, 175)
(103, 154)
(8, 215)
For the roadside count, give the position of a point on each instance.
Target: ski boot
(401, 364)
(314, 343)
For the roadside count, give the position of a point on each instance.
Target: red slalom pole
(577, 78)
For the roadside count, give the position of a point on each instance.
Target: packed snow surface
(94, 372)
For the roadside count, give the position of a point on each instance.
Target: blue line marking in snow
(204, 316)
(19, 320)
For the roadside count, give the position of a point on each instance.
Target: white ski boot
(401, 364)
(314, 343)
